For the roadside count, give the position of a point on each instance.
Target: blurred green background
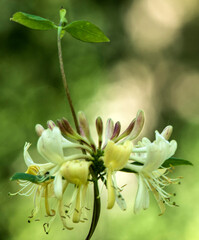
(151, 63)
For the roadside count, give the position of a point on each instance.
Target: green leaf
(86, 32)
(32, 21)
(30, 177)
(175, 162)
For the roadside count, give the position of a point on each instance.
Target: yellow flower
(115, 158)
(77, 172)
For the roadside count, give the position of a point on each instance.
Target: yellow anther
(33, 170)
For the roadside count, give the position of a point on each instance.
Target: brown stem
(65, 83)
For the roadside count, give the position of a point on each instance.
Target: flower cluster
(90, 161)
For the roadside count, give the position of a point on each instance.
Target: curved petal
(58, 186)
(50, 145)
(142, 196)
(111, 190)
(27, 158)
(158, 152)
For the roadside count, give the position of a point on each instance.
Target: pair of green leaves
(82, 30)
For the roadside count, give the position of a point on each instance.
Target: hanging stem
(97, 205)
(64, 79)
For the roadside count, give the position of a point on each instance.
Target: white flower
(69, 169)
(50, 145)
(151, 176)
(43, 189)
(115, 158)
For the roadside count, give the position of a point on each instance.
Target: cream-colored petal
(157, 152)
(142, 196)
(116, 156)
(27, 158)
(50, 145)
(111, 190)
(45, 167)
(58, 188)
(77, 210)
(76, 171)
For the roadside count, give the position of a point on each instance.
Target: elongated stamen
(21, 190)
(47, 204)
(62, 215)
(29, 192)
(77, 211)
(37, 198)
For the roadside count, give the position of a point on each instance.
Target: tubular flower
(77, 172)
(52, 178)
(45, 179)
(91, 162)
(151, 175)
(115, 158)
(50, 145)
(41, 187)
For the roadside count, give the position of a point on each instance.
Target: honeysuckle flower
(115, 158)
(72, 169)
(51, 146)
(40, 189)
(114, 152)
(151, 175)
(77, 172)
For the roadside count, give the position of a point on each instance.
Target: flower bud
(67, 129)
(127, 131)
(84, 128)
(116, 130)
(39, 129)
(51, 124)
(99, 127)
(166, 133)
(139, 123)
(108, 131)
